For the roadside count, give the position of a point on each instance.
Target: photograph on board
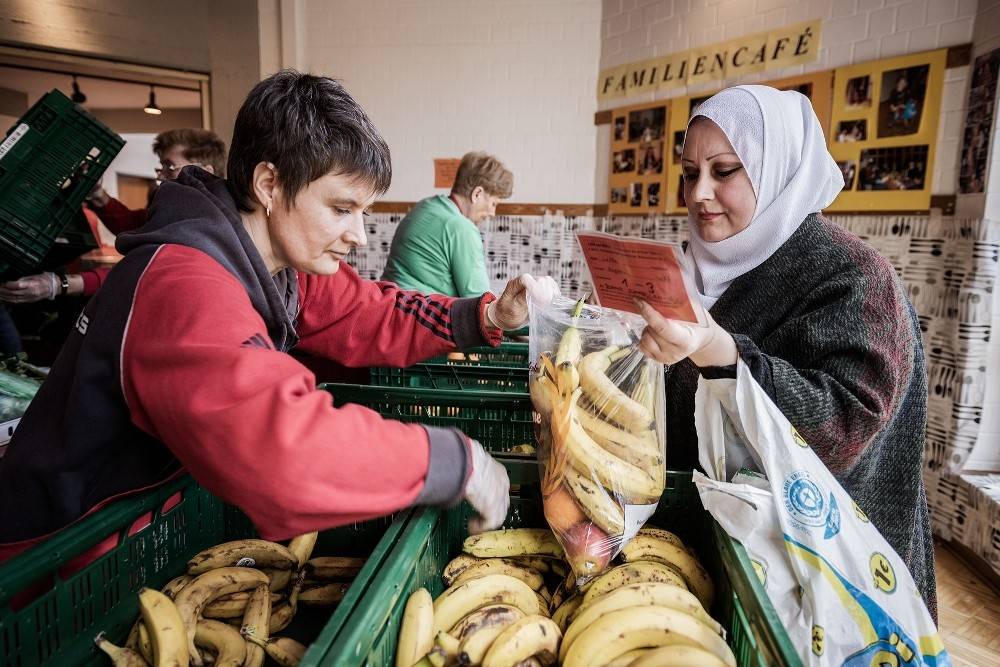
(901, 102)
(653, 195)
(900, 168)
(646, 124)
(619, 195)
(635, 195)
(852, 130)
(848, 168)
(859, 92)
(620, 128)
(623, 161)
(650, 158)
(978, 121)
(678, 146)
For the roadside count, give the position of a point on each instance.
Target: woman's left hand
(510, 311)
(670, 341)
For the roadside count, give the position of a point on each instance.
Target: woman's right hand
(488, 490)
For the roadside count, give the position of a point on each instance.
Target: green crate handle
(367, 395)
(29, 566)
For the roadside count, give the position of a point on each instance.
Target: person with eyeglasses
(175, 149)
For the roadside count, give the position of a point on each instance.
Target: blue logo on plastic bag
(806, 503)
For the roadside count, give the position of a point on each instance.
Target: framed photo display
(883, 131)
(639, 158)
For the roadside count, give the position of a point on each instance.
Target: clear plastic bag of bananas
(600, 428)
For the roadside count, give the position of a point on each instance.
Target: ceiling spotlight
(151, 107)
(77, 96)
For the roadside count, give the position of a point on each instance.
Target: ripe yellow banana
(231, 606)
(513, 542)
(416, 634)
(323, 595)
(596, 503)
(224, 641)
(501, 566)
(647, 548)
(642, 450)
(175, 585)
(627, 480)
(477, 639)
(243, 553)
(607, 397)
(120, 655)
(565, 611)
(459, 601)
(639, 627)
(162, 620)
(302, 547)
(447, 645)
(489, 616)
(278, 578)
(282, 616)
(457, 566)
(145, 643)
(283, 650)
(678, 656)
(543, 392)
(661, 534)
(648, 594)
(256, 622)
(628, 657)
(543, 564)
(329, 568)
(536, 636)
(630, 573)
(208, 586)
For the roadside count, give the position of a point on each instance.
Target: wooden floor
(968, 613)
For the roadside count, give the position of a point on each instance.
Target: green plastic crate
(452, 376)
(58, 626)
(50, 160)
(432, 537)
(499, 420)
(507, 355)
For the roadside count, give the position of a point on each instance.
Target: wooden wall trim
(603, 117)
(502, 209)
(959, 56)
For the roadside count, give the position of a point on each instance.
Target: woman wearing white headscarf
(818, 316)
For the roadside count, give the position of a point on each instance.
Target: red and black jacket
(180, 362)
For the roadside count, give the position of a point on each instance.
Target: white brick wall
(854, 31)
(442, 77)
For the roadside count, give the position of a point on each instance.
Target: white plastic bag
(844, 595)
(601, 436)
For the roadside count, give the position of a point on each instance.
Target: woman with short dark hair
(180, 361)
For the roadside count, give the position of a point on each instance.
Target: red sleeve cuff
(491, 335)
(91, 281)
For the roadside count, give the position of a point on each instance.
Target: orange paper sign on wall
(445, 169)
(626, 269)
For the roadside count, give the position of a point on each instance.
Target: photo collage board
(638, 158)
(883, 131)
(880, 119)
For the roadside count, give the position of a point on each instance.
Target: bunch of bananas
(225, 610)
(600, 448)
(496, 610)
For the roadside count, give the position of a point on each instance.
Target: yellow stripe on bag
(846, 599)
(931, 645)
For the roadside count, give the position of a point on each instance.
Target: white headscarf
(782, 147)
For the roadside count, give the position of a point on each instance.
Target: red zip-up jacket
(180, 362)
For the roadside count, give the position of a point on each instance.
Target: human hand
(669, 341)
(29, 289)
(510, 311)
(488, 490)
(97, 197)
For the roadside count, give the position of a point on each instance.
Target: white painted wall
(854, 31)
(443, 77)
